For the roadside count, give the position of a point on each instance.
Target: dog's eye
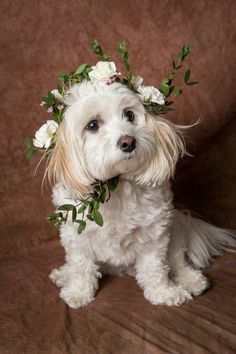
(93, 126)
(129, 115)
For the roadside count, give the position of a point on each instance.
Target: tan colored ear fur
(168, 145)
(60, 168)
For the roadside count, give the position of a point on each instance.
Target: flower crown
(155, 100)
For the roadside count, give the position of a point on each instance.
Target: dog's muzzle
(126, 143)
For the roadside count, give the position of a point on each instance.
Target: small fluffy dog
(107, 132)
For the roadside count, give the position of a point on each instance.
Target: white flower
(137, 81)
(103, 71)
(57, 94)
(44, 135)
(152, 94)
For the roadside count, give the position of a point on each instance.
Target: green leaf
(95, 204)
(105, 57)
(89, 216)
(81, 68)
(96, 196)
(96, 48)
(168, 103)
(180, 57)
(103, 195)
(164, 86)
(27, 142)
(30, 154)
(191, 83)
(123, 53)
(63, 78)
(98, 217)
(51, 97)
(66, 207)
(88, 69)
(74, 214)
(90, 207)
(186, 50)
(178, 67)
(82, 226)
(177, 91)
(166, 109)
(50, 218)
(171, 90)
(187, 76)
(82, 208)
(112, 183)
(122, 47)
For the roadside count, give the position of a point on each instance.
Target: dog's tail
(204, 241)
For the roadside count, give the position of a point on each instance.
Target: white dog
(107, 132)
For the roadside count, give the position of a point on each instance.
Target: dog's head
(106, 132)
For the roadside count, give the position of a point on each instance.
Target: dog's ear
(64, 164)
(167, 145)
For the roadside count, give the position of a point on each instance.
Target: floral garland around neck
(155, 100)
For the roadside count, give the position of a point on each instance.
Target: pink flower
(42, 103)
(50, 110)
(60, 107)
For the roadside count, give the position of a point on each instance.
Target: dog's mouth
(131, 156)
(126, 162)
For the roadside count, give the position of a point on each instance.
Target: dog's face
(106, 132)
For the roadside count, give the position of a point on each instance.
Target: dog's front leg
(78, 280)
(152, 275)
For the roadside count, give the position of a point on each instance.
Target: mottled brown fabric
(39, 39)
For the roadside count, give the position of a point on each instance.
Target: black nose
(127, 143)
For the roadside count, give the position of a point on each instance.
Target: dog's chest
(134, 216)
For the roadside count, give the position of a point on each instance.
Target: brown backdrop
(38, 40)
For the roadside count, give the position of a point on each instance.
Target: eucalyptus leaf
(180, 57)
(81, 68)
(164, 87)
(96, 48)
(103, 195)
(166, 109)
(74, 214)
(178, 67)
(82, 226)
(88, 69)
(98, 217)
(82, 208)
(191, 83)
(177, 91)
(30, 153)
(89, 216)
(168, 103)
(66, 207)
(187, 76)
(112, 183)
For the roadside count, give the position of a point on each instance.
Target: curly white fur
(142, 234)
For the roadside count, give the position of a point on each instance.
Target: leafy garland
(87, 209)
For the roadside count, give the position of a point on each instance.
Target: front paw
(76, 297)
(168, 295)
(193, 281)
(59, 276)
